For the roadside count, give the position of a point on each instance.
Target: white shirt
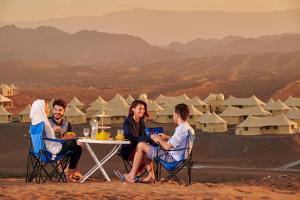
(179, 140)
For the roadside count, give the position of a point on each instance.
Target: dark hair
(134, 104)
(60, 102)
(182, 110)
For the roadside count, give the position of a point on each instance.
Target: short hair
(134, 104)
(60, 102)
(182, 110)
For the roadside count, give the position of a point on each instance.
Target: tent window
(292, 127)
(275, 127)
(267, 127)
(170, 116)
(117, 118)
(191, 117)
(246, 128)
(204, 125)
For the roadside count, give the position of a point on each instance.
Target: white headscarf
(38, 115)
(37, 112)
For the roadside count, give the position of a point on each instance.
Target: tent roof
(75, 102)
(204, 117)
(196, 101)
(26, 110)
(4, 112)
(116, 99)
(277, 105)
(129, 99)
(4, 99)
(279, 120)
(98, 101)
(163, 99)
(97, 107)
(292, 101)
(294, 113)
(153, 106)
(250, 101)
(73, 111)
(168, 110)
(235, 112)
(215, 119)
(182, 98)
(6, 87)
(194, 111)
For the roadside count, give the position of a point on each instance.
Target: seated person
(39, 113)
(145, 151)
(134, 129)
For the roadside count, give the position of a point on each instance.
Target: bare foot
(128, 178)
(149, 179)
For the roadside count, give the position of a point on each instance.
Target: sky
(19, 10)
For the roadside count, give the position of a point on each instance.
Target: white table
(99, 164)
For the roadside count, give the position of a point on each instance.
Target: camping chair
(40, 160)
(173, 168)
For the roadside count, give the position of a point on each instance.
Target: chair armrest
(172, 149)
(56, 140)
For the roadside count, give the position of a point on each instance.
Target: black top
(135, 132)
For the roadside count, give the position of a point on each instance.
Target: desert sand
(275, 188)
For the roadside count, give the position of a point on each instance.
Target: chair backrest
(153, 130)
(189, 143)
(36, 134)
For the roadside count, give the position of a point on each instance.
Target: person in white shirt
(177, 141)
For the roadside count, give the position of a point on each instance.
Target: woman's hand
(155, 138)
(163, 136)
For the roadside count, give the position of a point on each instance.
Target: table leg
(99, 164)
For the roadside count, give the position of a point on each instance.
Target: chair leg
(189, 173)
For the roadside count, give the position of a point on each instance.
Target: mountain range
(161, 27)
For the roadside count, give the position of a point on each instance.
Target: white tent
(235, 115)
(24, 114)
(194, 115)
(211, 122)
(279, 124)
(6, 102)
(118, 109)
(292, 101)
(129, 99)
(74, 115)
(144, 97)
(75, 102)
(215, 102)
(5, 116)
(153, 108)
(294, 114)
(117, 99)
(198, 104)
(166, 115)
(243, 102)
(277, 107)
(98, 101)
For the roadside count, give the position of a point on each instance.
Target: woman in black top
(134, 128)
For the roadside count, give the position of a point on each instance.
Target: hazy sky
(44, 9)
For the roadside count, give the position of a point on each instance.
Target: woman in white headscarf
(38, 114)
